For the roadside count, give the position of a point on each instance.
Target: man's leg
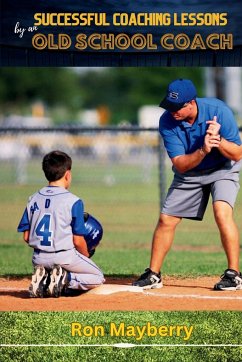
(161, 244)
(187, 199)
(162, 240)
(232, 278)
(229, 234)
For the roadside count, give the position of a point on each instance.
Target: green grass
(128, 212)
(25, 328)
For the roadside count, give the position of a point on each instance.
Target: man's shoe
(58, 281)
(38, 284)
(230, 280)
(149, 280)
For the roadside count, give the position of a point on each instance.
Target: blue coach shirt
(181, 138)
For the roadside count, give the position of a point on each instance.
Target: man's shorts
(189, 193)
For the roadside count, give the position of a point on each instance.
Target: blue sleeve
(77, 223)
(229, 129)
(24, 222)
(172, 142)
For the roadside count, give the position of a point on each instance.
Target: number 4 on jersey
(43, 230)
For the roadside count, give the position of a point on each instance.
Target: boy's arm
(80, 245)
(24, 226)
(26, 236)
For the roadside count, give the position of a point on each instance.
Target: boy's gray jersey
(53, 215)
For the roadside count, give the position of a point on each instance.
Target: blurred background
(101, 116)
(78, 110)
(107, 120)
(101, 96)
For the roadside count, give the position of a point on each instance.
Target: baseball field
(184, 321)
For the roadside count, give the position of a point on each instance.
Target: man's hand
(214, 127)
(211, 141)
(212, 138)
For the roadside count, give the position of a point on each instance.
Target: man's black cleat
(149, 280)
(230, 280)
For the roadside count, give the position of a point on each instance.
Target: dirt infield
(177, 294)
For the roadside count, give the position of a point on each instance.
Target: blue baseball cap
(179, 92)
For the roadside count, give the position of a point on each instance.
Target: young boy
(53, 224)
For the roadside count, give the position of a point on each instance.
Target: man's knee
(168, 221)
(223, 212)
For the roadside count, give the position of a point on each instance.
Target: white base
(106, 289)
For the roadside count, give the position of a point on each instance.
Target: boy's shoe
(149, 280)
(37, 288)
(58, 281)
(230, 280)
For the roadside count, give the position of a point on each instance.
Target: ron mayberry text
(127, 330)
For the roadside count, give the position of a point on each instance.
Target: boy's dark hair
(55, 164)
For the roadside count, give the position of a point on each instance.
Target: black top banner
(114, 33)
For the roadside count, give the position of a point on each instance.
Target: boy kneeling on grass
(53, 225)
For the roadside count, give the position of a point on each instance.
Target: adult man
(203, 143)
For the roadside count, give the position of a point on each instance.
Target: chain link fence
(100, 155)
(119, 173)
